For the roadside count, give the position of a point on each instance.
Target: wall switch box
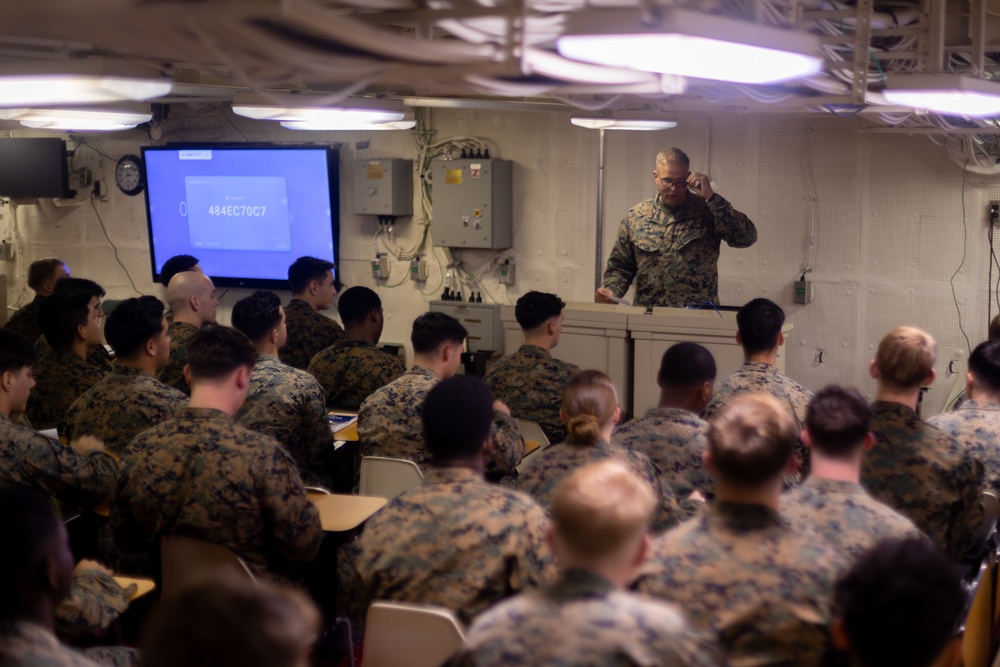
(418, 270)
(473, 203)
(383, 187)
(803, 291)
(507, 272)
(380, 267)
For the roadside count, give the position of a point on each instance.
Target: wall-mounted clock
(128, 175)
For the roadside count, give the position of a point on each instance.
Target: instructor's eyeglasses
(669, 183)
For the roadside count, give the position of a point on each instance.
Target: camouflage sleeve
(731, 226)
(508, 446)
(621, 267)
(126, 532)
(667, 513)
(113, 656)
(95, 600)
(536, 566)
(967, 512)
(69, 476)
(295, 528)
(317, 436)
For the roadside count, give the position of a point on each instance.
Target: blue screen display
(246, 213)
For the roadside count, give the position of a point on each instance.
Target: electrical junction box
(482, 320)
(383, 187)
(473, 203)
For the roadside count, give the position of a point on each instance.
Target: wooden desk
(530, 446)
(348, 433)
(143, 586)
(338, 513)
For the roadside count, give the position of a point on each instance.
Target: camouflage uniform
(543, 472)
(121, 406)
(61, 377)
(26, 644)
(844, 515)
(455, 541)
(389, 425)
(290, 406)
(352, 370)
(976, 424)
(30, 459)
(674, 440)
(24, 321)
(926, 475)
(309, 333)
(201, 475)
(172, 374)
(530, 382)
(673, 255)
(584, 621)
(742, 573)
(96, 356)
(95, 600)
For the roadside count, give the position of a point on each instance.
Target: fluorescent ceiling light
(624, 120)
(84, 81)
(690, 44)
(350, 113)
(948, 94)
(120, 117)
(344, 124)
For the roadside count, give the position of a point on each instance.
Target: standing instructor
(670, 244)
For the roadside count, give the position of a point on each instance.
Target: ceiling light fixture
(686, 43)
(312, 112)
(119, 117)
(342, 124)
(948, 94)
(84, 81)
(624, 120)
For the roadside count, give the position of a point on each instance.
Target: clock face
(128, 175)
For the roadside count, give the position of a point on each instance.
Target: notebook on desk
(534, 436)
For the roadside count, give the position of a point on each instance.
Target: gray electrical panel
(383, 187)
(473, 203)
(482, 321)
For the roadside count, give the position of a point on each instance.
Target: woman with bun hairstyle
(590, 412)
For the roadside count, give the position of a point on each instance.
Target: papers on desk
(339, 420)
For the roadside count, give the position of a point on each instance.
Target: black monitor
(34, 167)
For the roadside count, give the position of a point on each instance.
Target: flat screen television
(34, 167)
(246, 211)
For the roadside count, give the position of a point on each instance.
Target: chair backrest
(186, 561)
(991, 505)
(387, 478)
(399, 634)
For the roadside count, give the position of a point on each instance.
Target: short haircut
(751, 439)
(994, 330)
(355, 304)
(432, 330)
(306, 269)
(61, 313)
(132, 323)
(226, 622)
(257, 315)
(759, 322)
(905, 357)
(15, 352)
(589, 400)
(838, 419)
(673, 156)
(601, 507)
(686, 365)
(900, 603)
(215, 351)
(984, 364)
(82, 284)
(176, 264)
(536, 308)
(28, 526)
(41, 270)
(457, 416)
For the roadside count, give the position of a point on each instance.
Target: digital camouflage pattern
(172, 374)
(26, 644)
(743, 574)
(121, 406)
(926, 475)
(757, 376)
(844, 515)
(61, 377)
(30, 459)
(352, 370)
(389, 425)
(673, 256)
(530, 382)
(454, 541)
(584, 621)
(113, 656)
(674, 440)
(976, 424)
(309, 333)
(290, 406)
(24, 321)
(543, 472)
(95, 600)
(201, 475)
(96, 356)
